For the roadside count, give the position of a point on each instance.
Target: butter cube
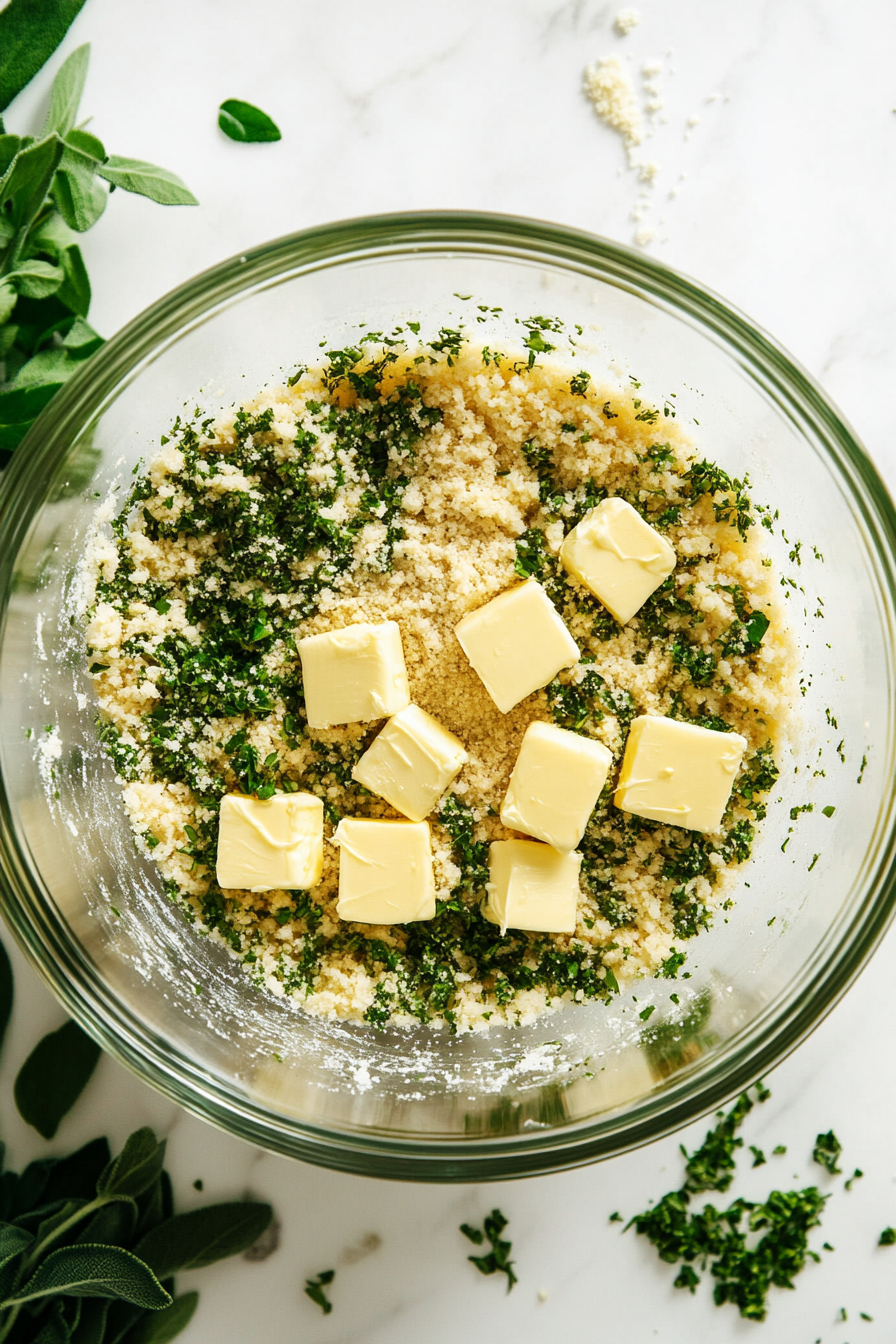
(517, 643)
(617, 557)
(532, 886)
(411, 762)
(354, 675)
(385, 871)
(272, 843)
(555, 785)
(678, 773)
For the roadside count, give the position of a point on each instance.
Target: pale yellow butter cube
(272, 843)
(354, 675)
(532, 886)
(555, 785)
(411, 762)
(517, 643)
(678, 773)
(385, 871)
(618, 557)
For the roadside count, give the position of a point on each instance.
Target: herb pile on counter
(90, 1243)
(52, 189)
(744, 1268)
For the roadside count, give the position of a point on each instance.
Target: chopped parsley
(497, 1260)
(314, 1288)
(744, 1266)
(827, 1152)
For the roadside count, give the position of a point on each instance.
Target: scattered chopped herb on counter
(616, 1217)
(828, 811)
(826, 1152)
(779, 1150)
(314, 1288)
(863, 1316)
(497, 1261)
(759, 1158)
(862, 769)
(887, 1237)
(243, 122)
(841, 1314)
(856, 1176)
(721, 1240)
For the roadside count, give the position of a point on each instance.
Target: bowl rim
(85, 396)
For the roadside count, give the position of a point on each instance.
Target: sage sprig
(52, 189)
(93, 1227)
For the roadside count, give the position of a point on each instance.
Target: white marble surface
(786, 189)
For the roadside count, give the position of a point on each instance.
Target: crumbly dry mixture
(414, 483)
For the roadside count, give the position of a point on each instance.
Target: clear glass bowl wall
(590, 1080)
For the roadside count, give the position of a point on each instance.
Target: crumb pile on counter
(292, 623)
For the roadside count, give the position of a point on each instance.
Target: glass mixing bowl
(588, 1081)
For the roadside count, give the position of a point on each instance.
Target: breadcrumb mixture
(414, 483)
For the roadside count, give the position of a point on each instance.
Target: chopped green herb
(828, 811)
(759, 1158)
(887, 1237)
(856, 1176)
(615, 1217)
(827, 1151)
(497, 1261)
(314, 1288)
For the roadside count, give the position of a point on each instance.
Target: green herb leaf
(191, 1240)
(314, 1288)
(826, 1152)
(68, 87)
(30, 31)
(75, 1176)
(36, 279)
(75, 289)
(81, 339)
(77, 195)
(497, 1261)
(135, 1169)
(146, 180)
(8, 300)
(27, 180)
(242, 121)
(887, 1237)
(93, 1271)
(53, 1077)
(165, 1324)
(13, 1241)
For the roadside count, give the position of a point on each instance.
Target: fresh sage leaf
(242, 121)
(74, 291)
(36, 279)
(202, 1236)
(14, 1241)
(48, 1225)
(136, 1168)
(6, 978)
(86, 143)
(23, 404)
(8, 300)
(12, 435)
(93, 1271)
(27, 180)
(165, 1324)
(91, 1328)
(31, 1219)
(54, 1075)
(146, 179)
(81, 338)
(77, 195)
(30, 1186)
(113, 1224)
(49, 368)
(65, 96)
(30, 31)
(9, 148)
(75, 1176)
(51, 235)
